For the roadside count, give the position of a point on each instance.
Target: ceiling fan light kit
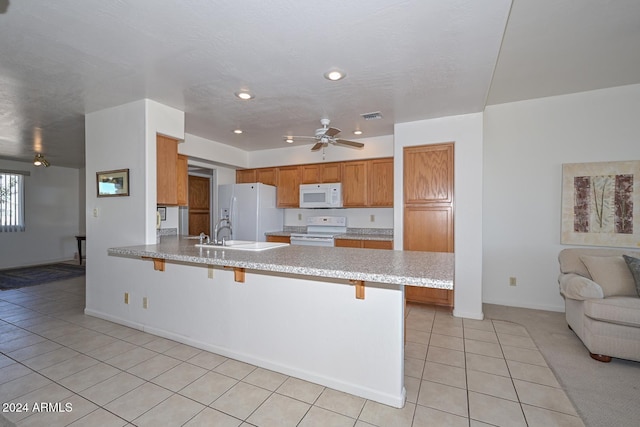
(39, 160)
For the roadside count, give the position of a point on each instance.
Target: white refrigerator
(252, 210)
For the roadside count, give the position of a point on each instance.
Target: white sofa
(601, 301)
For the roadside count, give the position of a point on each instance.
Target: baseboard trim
(530, 306)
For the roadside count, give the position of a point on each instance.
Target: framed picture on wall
(113, 183)
(601, 204)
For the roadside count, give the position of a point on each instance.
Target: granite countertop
(426, 269)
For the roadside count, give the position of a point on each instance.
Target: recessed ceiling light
(357, 132)
(335, 75)
(289, 140)
(244, 95)
(238, 131)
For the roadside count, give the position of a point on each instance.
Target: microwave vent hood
(321, 195)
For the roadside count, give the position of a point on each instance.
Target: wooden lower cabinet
(367, 244)
(429, 295)
(279, 239)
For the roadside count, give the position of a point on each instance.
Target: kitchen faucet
(218, 228)
(202, 238)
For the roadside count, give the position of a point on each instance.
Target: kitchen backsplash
(350, 230)
(364, 218)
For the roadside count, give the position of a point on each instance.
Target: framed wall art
(113, 183)
(601, 204)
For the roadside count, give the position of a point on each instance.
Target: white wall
(199, 148)
(292, 154)
(525, 145)
(466, 132)
(122, 137)
(82, 183)
(52, 217)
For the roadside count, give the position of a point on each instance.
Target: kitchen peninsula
(333, 316)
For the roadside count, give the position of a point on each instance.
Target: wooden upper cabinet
(166, 170)
(365, 183)
(182, 181)
(331, 172)
(381, 182)
(266, 176)
(288, 183)
(354, 184)
(368, 183)
(310, 174)
(244, 176)
(428, 174)
(321, 172)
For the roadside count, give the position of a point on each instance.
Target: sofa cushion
(579, 288)
(570, 262)
(612, 274)
(620, 310)
(634, 267)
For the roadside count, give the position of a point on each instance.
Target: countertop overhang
(426, 269)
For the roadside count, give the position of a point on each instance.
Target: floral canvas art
(600, 204)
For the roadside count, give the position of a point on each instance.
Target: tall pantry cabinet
(428, 210)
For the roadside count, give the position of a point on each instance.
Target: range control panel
(329, 221)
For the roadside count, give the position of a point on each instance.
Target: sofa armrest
(576, 287)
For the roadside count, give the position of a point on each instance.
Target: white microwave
(321, 195)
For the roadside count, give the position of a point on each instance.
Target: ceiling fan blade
(300, 137)
(350, 143)
(317, 146)
(331, 132)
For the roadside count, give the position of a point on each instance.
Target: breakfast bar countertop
(425, 269)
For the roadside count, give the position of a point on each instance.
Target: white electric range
(321, 231)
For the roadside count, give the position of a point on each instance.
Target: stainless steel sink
(243, 245)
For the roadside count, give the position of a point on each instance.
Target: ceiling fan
(326, 135)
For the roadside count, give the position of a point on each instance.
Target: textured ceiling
(410, 60)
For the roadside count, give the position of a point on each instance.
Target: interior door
(199, 205)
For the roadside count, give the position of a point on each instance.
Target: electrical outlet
(95, 212)
(145, 302)
(126, 297)
(512, 281)
(210, 272)
(299, 217)
(372, 218)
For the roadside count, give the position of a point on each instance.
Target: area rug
(38, 274)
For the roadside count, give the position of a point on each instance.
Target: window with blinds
(11, 201)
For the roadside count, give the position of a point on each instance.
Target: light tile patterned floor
(458, 373)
